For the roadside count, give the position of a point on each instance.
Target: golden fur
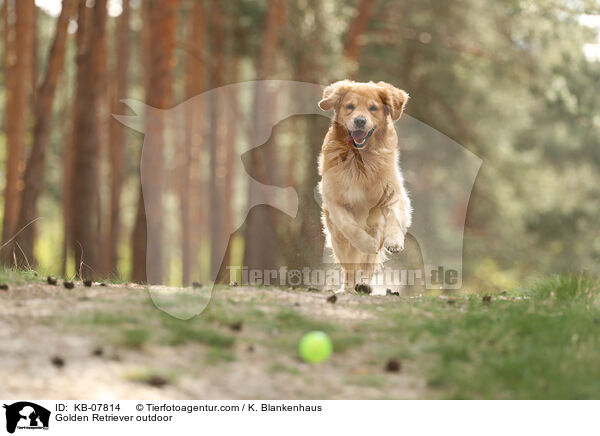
(366, 208)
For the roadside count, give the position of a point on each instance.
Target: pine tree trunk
(117, 139)
(81, 41)
(198, 202)
(6, 44)
(231, 162)
(191, 192)
(309, 211)
(8, 56)
(138, 243)
(232, 159)
(34, 172)
(261, 249)
(139, 234)
(163, 15)
(217, 71)
(67, 170)
(364, 11)
(87, 145)
(19, 69)
(34, 58)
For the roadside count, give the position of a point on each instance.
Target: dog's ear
(333, 93)
(393, 98)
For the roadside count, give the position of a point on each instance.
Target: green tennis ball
(315, 347)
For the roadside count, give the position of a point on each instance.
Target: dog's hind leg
(348, 257)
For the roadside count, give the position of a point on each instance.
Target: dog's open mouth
(360, 137)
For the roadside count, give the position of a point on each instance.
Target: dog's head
(362, 108)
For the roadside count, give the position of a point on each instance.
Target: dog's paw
(394, 246)
(363, 288)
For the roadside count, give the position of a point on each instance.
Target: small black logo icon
(26, 415)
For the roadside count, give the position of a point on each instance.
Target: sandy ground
(43, 360)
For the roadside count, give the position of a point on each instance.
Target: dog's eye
(373, 108)
(350, 106)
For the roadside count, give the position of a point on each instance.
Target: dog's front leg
(347, 224)
(397, 222)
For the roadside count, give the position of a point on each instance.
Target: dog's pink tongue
(358, 135)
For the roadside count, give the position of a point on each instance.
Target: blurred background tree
(514, 82)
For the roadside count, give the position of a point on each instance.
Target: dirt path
(110, 342)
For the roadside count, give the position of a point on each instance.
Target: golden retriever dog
(366, 209)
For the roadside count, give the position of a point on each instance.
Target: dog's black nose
(360, 122)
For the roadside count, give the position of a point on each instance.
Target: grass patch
(218, 355)
(540, 342)
(179, 332)
(134, 338)
(343, 342)
(144, 324)
(564, 288)
(288, 320)
(100, 318)
(283, 368)
(18, 277)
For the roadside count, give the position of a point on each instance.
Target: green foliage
(510, 82)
